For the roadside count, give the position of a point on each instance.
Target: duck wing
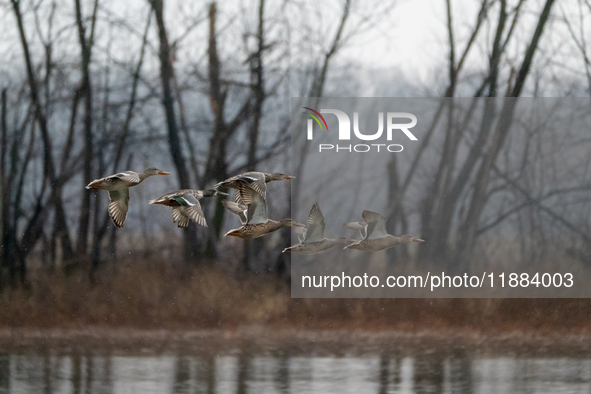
(127, 176)
(238, 209)
(361, 226)
(172, 199)
(254, 180)
(118, 206)
(239, 196)
(316, 224)
(191, 207)
(181, 215)
(257, 207)
(376, 225)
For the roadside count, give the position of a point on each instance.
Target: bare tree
(70, 125)
(121, 145)
(176, 151)
(320, 80)
(5, 194)
(86, 44)
(216, 167)
(452, 179)
(34, 228)
(479, 196)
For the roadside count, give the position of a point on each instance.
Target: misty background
(533, 217)
(90, 88)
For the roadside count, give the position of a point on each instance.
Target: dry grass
(156, 296)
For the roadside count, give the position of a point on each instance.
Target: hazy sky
(410, 37)
(408, 42)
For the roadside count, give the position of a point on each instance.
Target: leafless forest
(92, 87)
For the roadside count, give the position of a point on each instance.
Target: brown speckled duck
(314, 241)
(253, 215)
(118, 187)
(376, 238)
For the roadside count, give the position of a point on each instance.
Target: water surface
(338, 368)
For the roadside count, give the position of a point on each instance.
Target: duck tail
(234, 233)
(353, 245)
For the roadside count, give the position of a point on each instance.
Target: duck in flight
(255, 180)
(376, 237)
(118, 187)
(185, 205)
(314, 241)
(251, 208)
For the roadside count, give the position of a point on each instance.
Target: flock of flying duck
(250, 205)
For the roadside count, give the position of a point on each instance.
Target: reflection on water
(242, 372)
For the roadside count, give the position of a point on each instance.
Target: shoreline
(265, 340)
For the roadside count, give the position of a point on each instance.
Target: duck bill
(94, 185)
(288, 177)
(156, 202)
(163, 173)
(418, 240)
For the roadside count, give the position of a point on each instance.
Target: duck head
(409, 238)
(292, 223)
(277, 176)
(154, 171)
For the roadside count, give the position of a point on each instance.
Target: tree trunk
(216, 167)
(48, 165)
(86, 92)
(166, 73)
(251, 248)
(4, 189)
